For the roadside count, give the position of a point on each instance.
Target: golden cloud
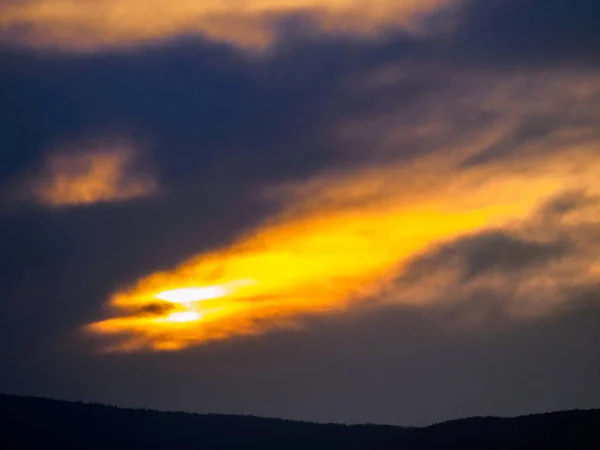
(344, 238)
(103, 174)
(95, 24)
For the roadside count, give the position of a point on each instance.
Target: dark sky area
(387, 214)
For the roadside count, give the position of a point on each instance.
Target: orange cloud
(96, 176)
(344, 238)
(95, 24)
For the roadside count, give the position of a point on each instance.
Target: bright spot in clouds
(182, 317)
(187, 295)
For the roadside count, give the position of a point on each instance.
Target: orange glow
(96, 24)
(333, 247)
(71, 179)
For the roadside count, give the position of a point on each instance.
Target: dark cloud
(221, 113)
(529, 32)
(493, 251)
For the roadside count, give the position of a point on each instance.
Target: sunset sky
(330, 210)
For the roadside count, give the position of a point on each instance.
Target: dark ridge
(28, 423)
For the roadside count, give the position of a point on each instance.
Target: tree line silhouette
(28, 423)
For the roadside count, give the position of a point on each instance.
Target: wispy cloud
(97, 24)
(545, 264)
(97, 175)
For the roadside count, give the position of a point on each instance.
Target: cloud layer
(98, 24)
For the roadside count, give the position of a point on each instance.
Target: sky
(327, 210)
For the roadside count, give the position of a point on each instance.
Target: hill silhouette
(28, 423)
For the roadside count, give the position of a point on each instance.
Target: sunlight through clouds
(319, 258)
(346, 235)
